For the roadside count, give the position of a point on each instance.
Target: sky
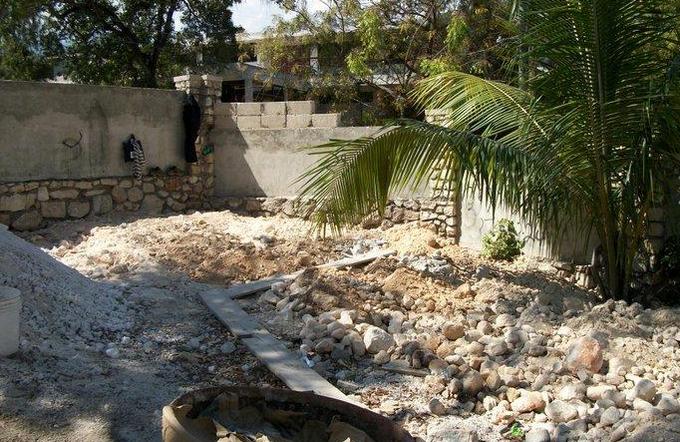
(255, 15)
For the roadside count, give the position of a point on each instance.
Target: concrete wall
(36, 118)
(477, 218)
(266, 162)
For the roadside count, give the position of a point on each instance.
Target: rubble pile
(557, 366)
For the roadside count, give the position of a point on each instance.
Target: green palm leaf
(587, 140)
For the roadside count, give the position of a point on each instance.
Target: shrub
(502, 242)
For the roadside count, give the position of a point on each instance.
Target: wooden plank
(247, 289)
(398, 368)
(273, 354)
(242, 290)
(357, 260)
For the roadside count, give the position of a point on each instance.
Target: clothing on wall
(191, 114)
(134, 152)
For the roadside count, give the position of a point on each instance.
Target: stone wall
(440, 217)
(32, 204)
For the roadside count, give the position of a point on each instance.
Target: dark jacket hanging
(192, 122)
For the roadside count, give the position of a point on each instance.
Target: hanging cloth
(191, 114)
(134, 152)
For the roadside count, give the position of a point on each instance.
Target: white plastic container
(10, 311)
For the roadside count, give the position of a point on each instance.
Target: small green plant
(502, 242)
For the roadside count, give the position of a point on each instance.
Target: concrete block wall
(272, 115)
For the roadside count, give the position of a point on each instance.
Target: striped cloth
(138, 158)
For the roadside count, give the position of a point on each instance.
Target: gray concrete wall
(477, 218)
(266, 162)
(35, 118)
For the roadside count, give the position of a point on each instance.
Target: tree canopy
(383, 42)
(125, 42)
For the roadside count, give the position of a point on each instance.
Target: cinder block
(300, 107)
(273, 121)
(226, 121)
(274, 108)
(249, 108)
(225, 109)
(248, 122)
(298, 121)
(326, 120)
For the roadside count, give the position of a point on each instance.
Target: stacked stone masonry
(31, 205)
(440, 216)
(272, 115)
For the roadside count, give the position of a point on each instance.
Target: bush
(502, 242)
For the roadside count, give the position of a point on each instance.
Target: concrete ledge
(299, 121)
(274, 108)
(326, 120)
(300, 107)
(248, 121)
(273, 121)
(249, 108)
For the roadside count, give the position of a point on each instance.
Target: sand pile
(61, 307)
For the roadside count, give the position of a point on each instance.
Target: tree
(386, 44)
(127, 42)
(586, 137)
(25, 43)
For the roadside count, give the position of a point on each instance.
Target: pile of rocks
(514, 360)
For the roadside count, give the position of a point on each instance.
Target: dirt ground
(86, 382)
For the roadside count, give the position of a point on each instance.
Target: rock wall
(441, 216)
(32, 204)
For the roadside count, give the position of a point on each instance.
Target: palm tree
(586, 137)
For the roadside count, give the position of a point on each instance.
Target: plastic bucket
(10, 310)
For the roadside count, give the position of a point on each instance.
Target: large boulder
(376, 339)
(585, 353)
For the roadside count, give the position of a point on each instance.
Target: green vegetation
(585, 133)
(502, 242)
(128, 42)
(385, 47)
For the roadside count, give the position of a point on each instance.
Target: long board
(273, 354)
(242, 290)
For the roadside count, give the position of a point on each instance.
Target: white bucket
(10, 310)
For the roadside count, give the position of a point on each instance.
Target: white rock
(112, 352)
(559, 411)
(376, 339)
(537, 435)
(577, 390)
(444, 431)
(528, 401)
(505, 320)
(668, 404)
(496, 347)
(610, 416)
(644, 389)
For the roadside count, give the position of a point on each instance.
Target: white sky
(255, 15)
